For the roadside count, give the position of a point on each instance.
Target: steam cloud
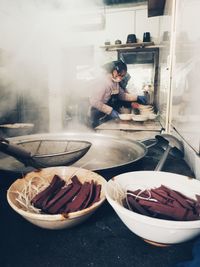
(44, 44)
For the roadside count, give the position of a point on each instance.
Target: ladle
(171, 145)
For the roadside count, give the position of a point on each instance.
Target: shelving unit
(129, 45)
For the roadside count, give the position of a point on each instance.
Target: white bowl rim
(54, 217)
(149, 220)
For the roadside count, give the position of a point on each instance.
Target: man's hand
(141, 99)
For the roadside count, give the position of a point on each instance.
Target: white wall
(121, 21)
(130, 20)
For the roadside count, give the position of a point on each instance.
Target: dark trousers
(97, 117)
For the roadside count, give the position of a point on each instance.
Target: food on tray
(163, 203)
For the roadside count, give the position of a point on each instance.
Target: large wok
(106, 152)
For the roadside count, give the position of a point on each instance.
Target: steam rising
(47, 49)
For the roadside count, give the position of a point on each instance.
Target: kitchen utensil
(109, 151)
(45, 153)
(171, 145)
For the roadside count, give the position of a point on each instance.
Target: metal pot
(106, 152)
(16, 129)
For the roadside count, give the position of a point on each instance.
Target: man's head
(117, 69)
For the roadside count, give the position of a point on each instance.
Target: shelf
(129, 45)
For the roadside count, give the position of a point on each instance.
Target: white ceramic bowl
(57, 221)
(156, 231)
(144, 111)
(145, 107)
(125, 117)
(152, 116)
(139, 117)
(149, 114)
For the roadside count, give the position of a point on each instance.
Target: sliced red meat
(55, 185)
(80, 198)
(58, 205)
